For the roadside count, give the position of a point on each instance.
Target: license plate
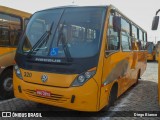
(43, 93)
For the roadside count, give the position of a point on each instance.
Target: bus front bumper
(82, 98)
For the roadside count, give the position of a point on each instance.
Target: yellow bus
(11, 27)
(155, 23)
(151, 51)
(157, 50)
(81, 58)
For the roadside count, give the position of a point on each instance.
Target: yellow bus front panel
(82, 98)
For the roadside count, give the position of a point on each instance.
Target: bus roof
(73, 6)
(69, 6)
(104, 6)
(14, 11)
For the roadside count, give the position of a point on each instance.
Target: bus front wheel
(138, 77)
(113, 94)
(6, 84)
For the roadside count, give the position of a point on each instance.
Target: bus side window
(10, 27)
(145, 41)
(113, 41)
(126, 43)
(125, 35)
(4, 37)
(15, 31)
(112, 38)
(141, 43)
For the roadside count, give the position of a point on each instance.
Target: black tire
(138, 77)
(113, 96)
(6, 84)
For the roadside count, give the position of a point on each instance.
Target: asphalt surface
(139, 98)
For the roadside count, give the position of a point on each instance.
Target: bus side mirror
(155, 23)
(116, 23)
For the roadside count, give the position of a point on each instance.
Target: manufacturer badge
(44, 78)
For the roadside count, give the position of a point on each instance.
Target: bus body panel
(59, 80)
(85, 96)
(6, 58)
(144, 63)
(117, 68)
(120, 67)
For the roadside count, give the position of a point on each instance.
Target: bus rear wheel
(6, 84)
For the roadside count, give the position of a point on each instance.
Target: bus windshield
(150, 48)
(64, 33)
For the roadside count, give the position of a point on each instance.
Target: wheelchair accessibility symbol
(54, 52)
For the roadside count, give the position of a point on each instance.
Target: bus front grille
(53, 97)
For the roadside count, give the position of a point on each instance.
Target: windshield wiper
(41, 40)
(62, 38)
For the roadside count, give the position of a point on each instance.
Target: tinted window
(125, 35)
(4, 36)
(10, 27)
(75, 32)
(140, 35)
(142, 38)
(125, 26)
(145, 41)
(126, 43)
(134, 32)
(112, 37)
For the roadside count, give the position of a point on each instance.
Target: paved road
(142, 97)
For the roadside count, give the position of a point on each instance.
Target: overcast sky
(140, 11)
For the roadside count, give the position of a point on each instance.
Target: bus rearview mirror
(116, 23)
(155, 23)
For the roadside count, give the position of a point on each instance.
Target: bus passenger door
(128, 57)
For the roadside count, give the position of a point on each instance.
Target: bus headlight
(18, 72)
(83, 78)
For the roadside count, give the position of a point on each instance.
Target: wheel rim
(8, 86)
